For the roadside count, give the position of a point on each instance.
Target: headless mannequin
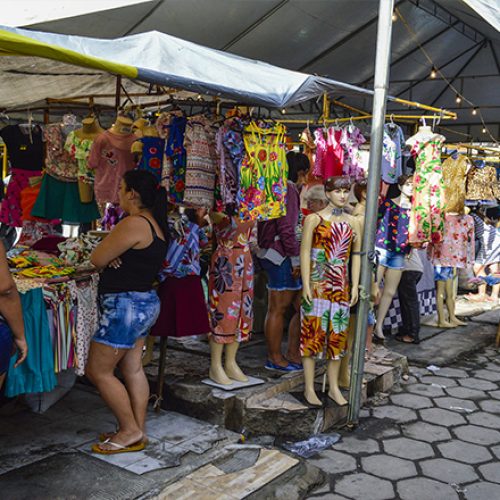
(445, 294)
(337, 200)
(391, 277)
(138, 126)
(147, 131)
(230, 372)
(90, 129)
(122, 126)
(345, 376)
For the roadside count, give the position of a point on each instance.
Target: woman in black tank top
(130, 258)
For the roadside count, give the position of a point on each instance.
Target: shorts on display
(391, 260)
(280, 277)
(126, 317)
(443, 273)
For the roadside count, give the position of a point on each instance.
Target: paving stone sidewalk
(436, 437)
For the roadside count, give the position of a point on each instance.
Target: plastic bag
(313, 445)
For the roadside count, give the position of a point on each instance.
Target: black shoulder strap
(153, 232)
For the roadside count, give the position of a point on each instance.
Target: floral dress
(152, 155)
(230, 284)
(427, 211)
(264, 173)
(175, 155)
(352, 158)
(325, 321)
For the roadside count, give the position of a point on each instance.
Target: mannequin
(138, 126)
(230, 296)
(329, 237)
(86, 136)
(392, 246)
(122, 126)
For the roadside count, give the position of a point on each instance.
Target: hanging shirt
(79, 149)
(111, 157)
(482, 184)
(352, 141)
(454, 177)
(58, 162)
(457, 247)
(25, 150)
(392, 153)
(392, 231)
(329, 153)
(152, 155)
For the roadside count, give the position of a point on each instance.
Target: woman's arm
(125, 235)
(10, 306)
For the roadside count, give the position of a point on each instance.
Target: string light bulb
(394, 17)
(474, 111)
(283, 111)
(433, 72)
(458, 99)
(484, 130)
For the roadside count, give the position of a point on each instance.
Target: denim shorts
(391, 260)
(125, 317)
(280, 277)
(443, 273)
(5, 346)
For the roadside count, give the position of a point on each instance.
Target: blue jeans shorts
(125, 317)
(391, 260)
(443, 273)
(280, 277)
(5, 346)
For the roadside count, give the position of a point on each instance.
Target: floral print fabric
(457, 247)
(392, 230)
(352, 158)
(427, 216)
(325, 321)
(329, 152)
(79, 149)
(175, 155)
(152, 155)
(183, 254)
(482, 184)
(264, 173)
(230, 283)
(58, 162)
(392, 153)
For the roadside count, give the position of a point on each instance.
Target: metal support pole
(382, 60)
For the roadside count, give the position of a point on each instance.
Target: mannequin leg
(450, 304)
(440, 296)
(391, 282)
(216, 372)
(233, 371)
(309, 373)
(345, 372)
(293, 348)
(332, 373)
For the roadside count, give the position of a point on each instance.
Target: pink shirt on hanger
(111, 157)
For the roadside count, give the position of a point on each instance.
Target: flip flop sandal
(119, 448)
(109, 435)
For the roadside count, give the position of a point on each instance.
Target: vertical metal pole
(382, 61)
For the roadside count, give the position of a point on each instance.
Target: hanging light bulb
(458, 99)
(433, 72)
(474, 111)
(283, 111)
(394, 17)
(484, 130)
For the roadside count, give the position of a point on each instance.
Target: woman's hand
(115, 263)
(22, 348)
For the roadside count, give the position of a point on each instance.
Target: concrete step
(276, 407)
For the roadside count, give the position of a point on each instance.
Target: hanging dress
(264, 173)
(454, 178)
(427, 211)
(230, 284)
(199, 142)
(324, 322)
(152, 155)
(352, 158)
(175, 155)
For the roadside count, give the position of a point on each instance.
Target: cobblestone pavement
(436, 436)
